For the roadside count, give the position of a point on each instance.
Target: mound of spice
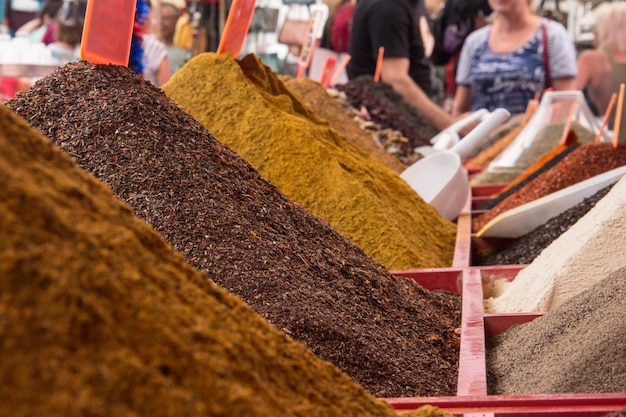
(546, 139)
(587, 252)
(525, 249)
(101, 317)
(249, 109)
(331, 110)
(584, 162)
(388, 108)
(293, 268)
(577, 348)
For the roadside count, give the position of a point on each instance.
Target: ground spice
(249, 109)
(525, 249)
(589, 251)
(101, 317)
(484, 157)
(544, 164)
(584, 162)
(546, 139)
(387, 333)
(329, 109)
(577, 348)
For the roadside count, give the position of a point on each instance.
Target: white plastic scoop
(440, 178)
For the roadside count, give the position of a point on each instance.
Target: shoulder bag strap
(546, 54)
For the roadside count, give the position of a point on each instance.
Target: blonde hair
(610, 25)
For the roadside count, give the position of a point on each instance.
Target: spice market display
(387, 333)
(101, 316)
(239, 241)
(248, 108)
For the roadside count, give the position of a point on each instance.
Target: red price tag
(306, 51)
(108, 31)
(236, 28)
(327, 71)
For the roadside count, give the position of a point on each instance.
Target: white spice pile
(578, 347)
(590, 250)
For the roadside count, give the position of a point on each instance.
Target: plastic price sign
(306, 51)
(236, 28)
(340, 69)
(327, 71)
(379, 63)
(108, 31)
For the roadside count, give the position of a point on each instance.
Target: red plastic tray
(472, 399)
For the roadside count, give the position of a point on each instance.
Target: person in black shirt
(395, 25)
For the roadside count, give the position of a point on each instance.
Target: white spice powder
(590, 250)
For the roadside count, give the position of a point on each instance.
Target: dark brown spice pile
(526, 248)
(388, 108)
(387, 333)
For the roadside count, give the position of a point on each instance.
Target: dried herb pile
(101, 317)
(388, 108)
(579, 347)
(246, 107)
(293, 268)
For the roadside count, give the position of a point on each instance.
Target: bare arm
(163, 73)
(564, 84)
(395, 72)
(585, 60)
(461, 102)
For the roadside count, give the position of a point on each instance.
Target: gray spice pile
(578, 347)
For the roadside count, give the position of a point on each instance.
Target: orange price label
(108, 31)
(327, 71)
(306, 51)
(236, 28)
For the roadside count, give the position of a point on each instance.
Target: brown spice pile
(329, 108)
(578, 347)
(101, 317)
(387, 333)
(585, 162)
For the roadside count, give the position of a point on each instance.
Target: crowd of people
(58, 24)
(496, 53)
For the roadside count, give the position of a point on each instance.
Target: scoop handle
(450, 135)
(480, 133)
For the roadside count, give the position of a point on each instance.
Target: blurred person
(20, 12)
(505, 63)
(176, 55)
(602, 70)
(68, 32)
(156, 67)
(395, 26)
(451, 26)
(340, 26)
(41, 29)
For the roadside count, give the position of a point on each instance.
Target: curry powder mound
(330, 109)
(387, 333)
(246, 106)
(101, 317)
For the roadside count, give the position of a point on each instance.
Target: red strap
(546, 55)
